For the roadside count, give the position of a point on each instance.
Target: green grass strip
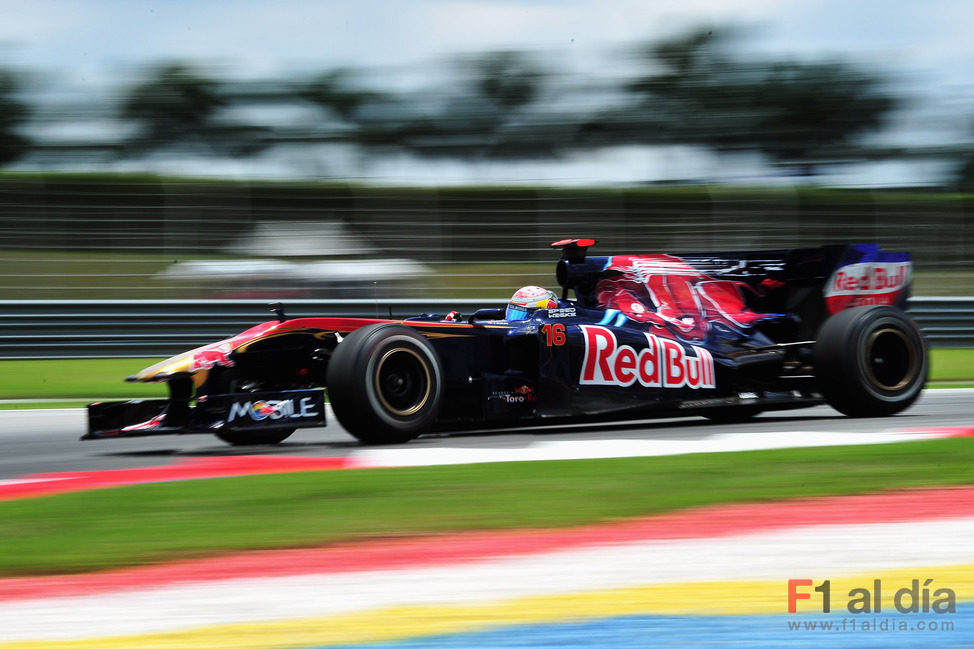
(147, 523)
(83, 378)
(952, 365)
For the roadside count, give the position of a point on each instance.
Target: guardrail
(946, 321)
(137, 328)
(56, 329)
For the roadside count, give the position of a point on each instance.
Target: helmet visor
(517, 312)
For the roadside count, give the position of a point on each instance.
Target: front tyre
(385, 384)
(254, 437)
(870, 361)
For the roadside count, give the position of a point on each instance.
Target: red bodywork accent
(155, 422)
(341, 325)
(581, 243)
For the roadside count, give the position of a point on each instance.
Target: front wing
(210, 414)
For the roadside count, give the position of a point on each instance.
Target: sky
(262, 37)
(90, 45)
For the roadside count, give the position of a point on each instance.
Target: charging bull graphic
(678, 300)
(207, 357)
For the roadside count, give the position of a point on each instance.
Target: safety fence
(124, 328)
(111, 237)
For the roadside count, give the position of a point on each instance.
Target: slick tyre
(255, 437)
(870, 361)
(385, 384)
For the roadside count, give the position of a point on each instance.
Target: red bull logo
(663, 363)
(864, 278)
(867, 283)
(207, 357)
(263, 409)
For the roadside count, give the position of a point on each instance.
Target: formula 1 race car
(722, 335)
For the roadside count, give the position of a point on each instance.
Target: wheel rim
(891, 359)
(402, 381)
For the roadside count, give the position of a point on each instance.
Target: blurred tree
(177, 107)
(13, 113)
(814, 114)
(696, 89)
(487, 114)
(506, 79)
(804, 114)
(338, 91)
(964, 178)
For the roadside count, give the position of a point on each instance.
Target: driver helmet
(528, 299)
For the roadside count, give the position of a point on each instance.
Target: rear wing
(809, 284)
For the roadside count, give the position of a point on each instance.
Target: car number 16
(554, 334)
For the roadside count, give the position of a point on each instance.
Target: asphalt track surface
(44, 441)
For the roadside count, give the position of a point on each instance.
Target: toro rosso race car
(722, 335)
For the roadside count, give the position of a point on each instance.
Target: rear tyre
(870, 361)
(385, 384)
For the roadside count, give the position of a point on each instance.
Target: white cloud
(261, 35)
(89, 44)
